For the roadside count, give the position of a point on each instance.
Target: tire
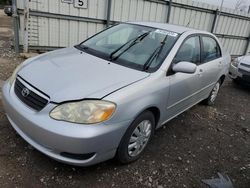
(130, 138)
(213, 95)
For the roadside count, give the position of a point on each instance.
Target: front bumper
(55, 138)
(239, 73)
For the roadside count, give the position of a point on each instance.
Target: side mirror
(185, 67)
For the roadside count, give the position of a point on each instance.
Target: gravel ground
(194, 146)
(8, 59)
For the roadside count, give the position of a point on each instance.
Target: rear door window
(211, 49)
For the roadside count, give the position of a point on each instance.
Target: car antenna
(190, 20)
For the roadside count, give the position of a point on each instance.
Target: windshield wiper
(154, 54)
(82, 47)
(132, 41)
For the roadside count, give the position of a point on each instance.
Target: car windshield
(135, 46)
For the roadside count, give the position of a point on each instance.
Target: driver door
(184, 87)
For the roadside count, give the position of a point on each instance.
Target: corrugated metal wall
(232, 31)
(54, 24)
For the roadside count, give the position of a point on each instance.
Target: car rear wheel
(213, 95)
(136, 138)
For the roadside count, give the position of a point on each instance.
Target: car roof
(165, 26)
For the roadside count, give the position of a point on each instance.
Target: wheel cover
(139, 138)
(215, 92)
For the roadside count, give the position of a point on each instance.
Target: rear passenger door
(211, 64)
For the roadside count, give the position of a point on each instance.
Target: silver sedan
(106, 96)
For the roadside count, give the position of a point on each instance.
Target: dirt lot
(8, 60)
(194, 146)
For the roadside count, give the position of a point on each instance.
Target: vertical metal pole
(26, 26)
(169, 10)
(108, 13)
(215, 20)
(247, 46)
(15, 26)
(218, 15)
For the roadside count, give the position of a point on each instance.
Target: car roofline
(170, 27)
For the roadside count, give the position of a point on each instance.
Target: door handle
(200, 72)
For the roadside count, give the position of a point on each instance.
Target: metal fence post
(108, 13)
(215, 20)
(169, 10)
(15, 26)
(26, 27)
(247, 46)
(218, 17)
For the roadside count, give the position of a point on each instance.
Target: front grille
(29, 97)
(77, 156)
(245, 65)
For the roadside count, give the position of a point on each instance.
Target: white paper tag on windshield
(164, 32)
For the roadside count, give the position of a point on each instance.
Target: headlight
(235, 62)
(13, 76)
(84, 112)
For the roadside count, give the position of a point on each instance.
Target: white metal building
(50, 24)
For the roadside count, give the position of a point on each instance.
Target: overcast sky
(227, 3)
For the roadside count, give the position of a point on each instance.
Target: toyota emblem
(25, 92)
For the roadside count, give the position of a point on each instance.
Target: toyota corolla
(106, 96)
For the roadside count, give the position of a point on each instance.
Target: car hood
(70, 74)
(244, 59)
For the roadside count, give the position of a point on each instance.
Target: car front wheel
(136, 138)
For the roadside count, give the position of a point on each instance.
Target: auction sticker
(164, 32)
